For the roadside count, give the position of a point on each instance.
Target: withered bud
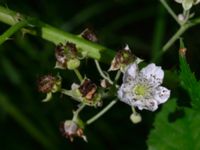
(71, 50)
(88, 89)
(65, 53)
(46, 83)
(182, 52)
(123, 57)
(70, 129)
(89, 35)
(61, 58)
(105, 83)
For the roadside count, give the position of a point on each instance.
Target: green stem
(170, 11)
(76, 113)
(117, 75)
(101, 72)
(103, 111)
(78, 74)
(177, 35)
(56, 36)
(5, 36)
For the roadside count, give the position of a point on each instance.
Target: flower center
(140, 90)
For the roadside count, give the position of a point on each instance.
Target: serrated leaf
(189, 82)
(182, 134)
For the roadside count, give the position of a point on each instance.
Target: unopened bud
(73, 64)
(89, 35)
(70, 129)
(136, 118)
(49, 83)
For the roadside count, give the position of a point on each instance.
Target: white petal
(196, 2)
(131, 72)
(152, 105)
(120, 93)
(74, 86)
(162, 94)
(154, 74)
(147, 104)
(187, 4)
(179, 1)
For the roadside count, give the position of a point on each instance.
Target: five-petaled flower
(187, 4)
(142, 89)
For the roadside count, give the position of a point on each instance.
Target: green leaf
(182, 134)
(189, 82)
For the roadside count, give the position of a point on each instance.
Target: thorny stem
(78, 74)
(5, 36)
(170, 11)
(47, 32)
(101, 72)
(103, 111)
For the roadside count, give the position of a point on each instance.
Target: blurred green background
(27, 123)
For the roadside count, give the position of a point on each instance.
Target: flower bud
(135, 118)
(49, 83)
(105, 83)
(89, 35)
(86, 93)
(122, 59)
(66, 56)
(70, 129)
(73, 64)
(187, 4)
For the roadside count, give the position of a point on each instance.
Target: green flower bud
(135, 118)
(73, 64)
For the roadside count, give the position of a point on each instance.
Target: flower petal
(147, 104)
(162, 94)
(179, 1)
(154, 74)
(131, 72)
(196, 2)
(187, 4)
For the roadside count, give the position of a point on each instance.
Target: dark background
(26, 123)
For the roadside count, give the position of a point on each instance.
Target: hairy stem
(47, 32)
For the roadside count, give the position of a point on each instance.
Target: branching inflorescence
(140, 88)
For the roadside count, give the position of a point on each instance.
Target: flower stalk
(78, 74)
(102, 112)
(101, 72)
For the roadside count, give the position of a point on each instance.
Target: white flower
(187, 4)
(142, 88)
